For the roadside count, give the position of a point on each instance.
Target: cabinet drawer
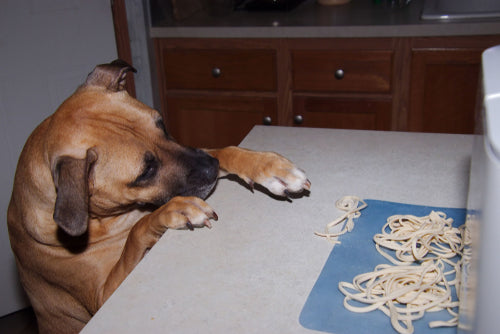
(217, 121)
(342, 71)
(342, 113)
(221, 69)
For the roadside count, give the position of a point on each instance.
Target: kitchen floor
(20, 322)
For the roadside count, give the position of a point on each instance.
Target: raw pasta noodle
(403, 293)
(415, 238)
(352, 205)
(419, 282)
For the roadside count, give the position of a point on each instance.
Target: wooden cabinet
(343, 113)
(345, 84)
(217, 121)
(219, 69)
(215, 90)
(341, 70)
(444, 80)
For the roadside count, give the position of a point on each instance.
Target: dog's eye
(160, 125)
(149, 170)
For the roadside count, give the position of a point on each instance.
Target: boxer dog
(99, 182)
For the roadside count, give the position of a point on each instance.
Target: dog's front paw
(278, 174)
(185, 213)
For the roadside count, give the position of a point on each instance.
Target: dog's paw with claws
(185, 213)
(277, 174)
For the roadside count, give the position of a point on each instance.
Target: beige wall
(47, 48)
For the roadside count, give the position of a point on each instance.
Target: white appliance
(460, 9)
(480, 290)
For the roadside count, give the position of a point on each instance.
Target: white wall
(47, 48)
(146, 86)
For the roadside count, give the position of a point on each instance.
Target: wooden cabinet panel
(444, 82)
(216, 121)
(443, 92)
(342, 71)
(215, 90)
(424, 84)
(343, 113)
(252, 70)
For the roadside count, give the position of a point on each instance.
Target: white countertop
(253, 271)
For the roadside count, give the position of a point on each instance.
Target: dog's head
(111, 154)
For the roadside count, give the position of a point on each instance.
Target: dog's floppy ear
(71, 178)
(111, 76)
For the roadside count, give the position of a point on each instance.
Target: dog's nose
(209, 167)
(203, 167)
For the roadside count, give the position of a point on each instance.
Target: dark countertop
(359, 18)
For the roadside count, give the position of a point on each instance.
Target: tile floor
(20, 322)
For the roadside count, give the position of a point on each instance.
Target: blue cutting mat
(324, 309)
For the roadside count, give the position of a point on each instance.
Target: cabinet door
(443, 90)
(343, 113)
(216, 121)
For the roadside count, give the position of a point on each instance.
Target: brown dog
(98, 183)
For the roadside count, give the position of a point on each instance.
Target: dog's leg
(271, 170)
(178, 213)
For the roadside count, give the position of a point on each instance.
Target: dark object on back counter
(279, 5)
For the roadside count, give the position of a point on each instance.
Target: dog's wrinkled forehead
(101, 113)
(126, 115)
(102, 117)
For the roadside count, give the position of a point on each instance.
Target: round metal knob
(267, 120)
(298, 119)
(216, 72)
(339, 74)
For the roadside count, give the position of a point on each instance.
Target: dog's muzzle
(203, 171)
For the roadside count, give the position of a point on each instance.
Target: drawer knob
(267, 120)
(339, 74)
(298, 119)
(216, 72)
